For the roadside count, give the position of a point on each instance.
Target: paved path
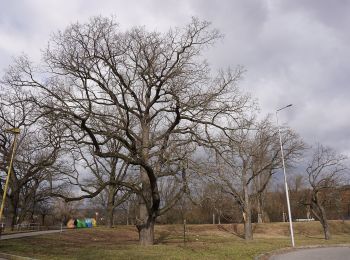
(325, 253)
(29, 234)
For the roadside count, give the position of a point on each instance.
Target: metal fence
(29, 227)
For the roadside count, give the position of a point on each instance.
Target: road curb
(266, 256)
(15, 257)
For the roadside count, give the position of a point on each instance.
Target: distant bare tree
(324, 172)
(44, 208)
(149, 91)
(64, 211)
(103, 178)
(246, 160)
(37, 154)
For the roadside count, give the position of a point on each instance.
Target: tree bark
(145, 223)
(146, 233)
(14, 218)
(110, 208)
(15, 201)
(259, 207)
(324, 223)
(326, 230)
(320, 213)
(110, 215)
(147, 216)
(43, 219)
(262, 214)
(127, 213)
(247, 216)
(248, 230)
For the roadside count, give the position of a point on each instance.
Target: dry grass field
(202, 242)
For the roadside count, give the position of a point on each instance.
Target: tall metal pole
(285, 178)
(16, 132)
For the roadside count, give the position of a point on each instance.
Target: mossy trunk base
(146, 234)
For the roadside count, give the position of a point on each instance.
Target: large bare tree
(325, 175)
(152, 92)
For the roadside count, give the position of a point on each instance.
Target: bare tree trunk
(110, 215)
(326, 230)
(43, 219)
(260, 201)
(320, 213)
(15, 201)
(146, 233)
(145, 223)
(262, 214)
(147, 206)
(247, 216)
(110, 208)
(14, 219)
(248, 230)
(127, 213)
(324, 223)
(260, 211)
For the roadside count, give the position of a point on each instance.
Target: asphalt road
(325, 253)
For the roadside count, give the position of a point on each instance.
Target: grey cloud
(330, 13)
(294, 51)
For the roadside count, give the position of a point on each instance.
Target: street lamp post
(285, 178)
(16, 132)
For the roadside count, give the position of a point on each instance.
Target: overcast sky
(294, 51)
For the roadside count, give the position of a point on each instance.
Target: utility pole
(16, 132)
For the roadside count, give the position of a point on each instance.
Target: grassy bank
(202, 242)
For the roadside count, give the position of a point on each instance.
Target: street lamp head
(13, 130)
(284, 107)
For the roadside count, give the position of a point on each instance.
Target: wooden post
(184, 232)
